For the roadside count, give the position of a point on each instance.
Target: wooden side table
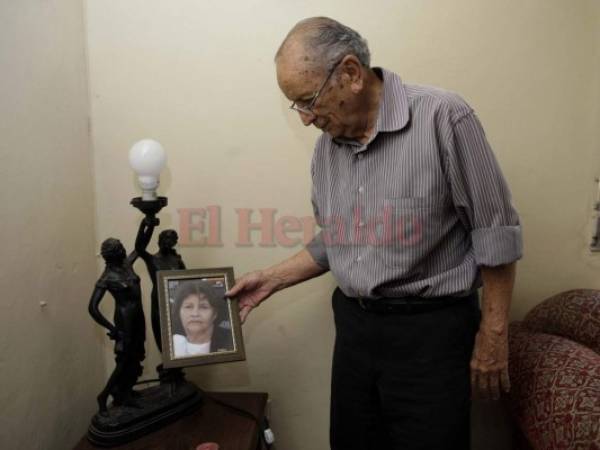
(210, 423)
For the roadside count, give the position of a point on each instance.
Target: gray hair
(328, 41)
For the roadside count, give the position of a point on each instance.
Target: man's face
(299, 83)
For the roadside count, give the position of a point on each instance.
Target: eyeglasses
(306, 106)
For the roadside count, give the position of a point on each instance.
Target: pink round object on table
(208, 446)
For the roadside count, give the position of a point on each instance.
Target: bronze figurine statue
(166, 258)
(129, 328)
(135, 412)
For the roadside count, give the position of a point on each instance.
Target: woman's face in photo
(197, 314)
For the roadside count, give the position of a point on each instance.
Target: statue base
(155, 407)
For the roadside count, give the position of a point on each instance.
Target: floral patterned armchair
(555, 373)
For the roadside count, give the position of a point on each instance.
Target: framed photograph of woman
(198, 324)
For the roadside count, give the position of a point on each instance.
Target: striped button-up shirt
(417, 209)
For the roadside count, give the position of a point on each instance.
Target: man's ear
(352, 73)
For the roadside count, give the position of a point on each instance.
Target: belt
(411, 305)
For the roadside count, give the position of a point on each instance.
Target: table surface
(210, 423)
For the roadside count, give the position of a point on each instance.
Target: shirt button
(360, 156)
(361, 224)
(358, 258)
(361, 189)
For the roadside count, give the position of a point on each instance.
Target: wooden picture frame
(193, 308)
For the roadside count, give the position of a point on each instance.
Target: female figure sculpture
(129, 328)
(166, 258)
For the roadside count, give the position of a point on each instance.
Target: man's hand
(489, 363)
(254, 287)
(250, 290)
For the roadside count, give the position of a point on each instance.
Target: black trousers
(401, 381)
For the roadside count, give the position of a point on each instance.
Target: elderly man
(415, 217)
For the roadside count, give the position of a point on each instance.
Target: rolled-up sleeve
(316, 247)
(317, 250)
(481, 195)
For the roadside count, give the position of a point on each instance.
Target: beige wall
(594, 17)
(51, 364)
(199, 77)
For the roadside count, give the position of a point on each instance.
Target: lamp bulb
(147, 158)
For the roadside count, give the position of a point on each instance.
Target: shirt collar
(393, 112)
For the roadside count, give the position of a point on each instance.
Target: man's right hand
(251, 289)
(254, 287)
